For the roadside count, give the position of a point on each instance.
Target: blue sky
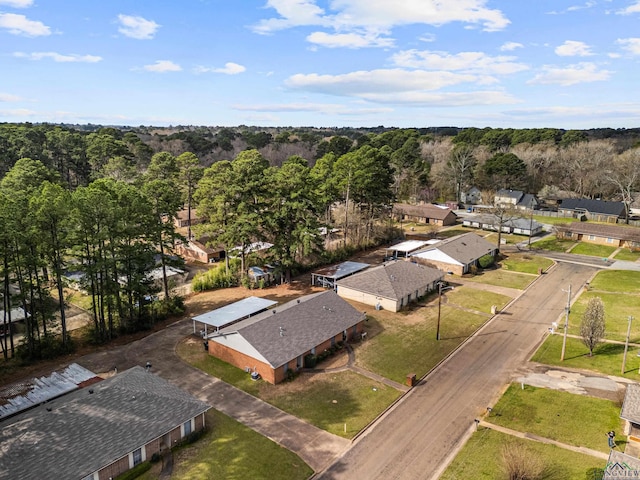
(404, 63)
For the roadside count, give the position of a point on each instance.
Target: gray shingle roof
(305, 323)
(621, 465)
(394, 280)
(427, 210)
(504, 192)
(465, 248)
(631, 406)
(594, 206)
(85, 431)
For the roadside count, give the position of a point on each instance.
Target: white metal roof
(229, 314)
(408, 246)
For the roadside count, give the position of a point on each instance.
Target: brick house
(612, 235)
(390, 286)
(100, 431)
(181, 219)
(198, 251)
(276, 341)
(596, 210)
(427, 213)
(456, 254)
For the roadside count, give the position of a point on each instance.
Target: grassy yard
(230, 450)
(553, 244)
(492, 237)
(503, 278)
(593, 250)
(474, 299)
(525, 263)
(623, 281)
(553, 220)
(627, 255)
(399, 344)
(558, 415)
(310, 397)
(481, 459)
(617, 308)
(606, 359)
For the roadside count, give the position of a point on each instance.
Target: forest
(100, 201)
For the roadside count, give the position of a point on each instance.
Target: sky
(571, 64)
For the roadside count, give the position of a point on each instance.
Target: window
(592, 237)
(137, 457)
(187, 428)
(609, 240)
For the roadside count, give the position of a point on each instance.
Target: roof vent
(298, 300)
(48, 409)
(274, 312)
(90, 391)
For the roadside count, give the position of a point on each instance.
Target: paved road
(417, 438)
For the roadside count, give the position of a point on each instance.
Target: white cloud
(137, 27)
(378, 17)
(444, 99)
(21, 25)
(631, 45)
(570, 75)
(510, 46)
(58, 57)
(472, 62)
(571, 48)
(162, 66)
(17, 3)
(631, 9)
(325, 108)
(229, 68)
(7, 97)
(349, 40)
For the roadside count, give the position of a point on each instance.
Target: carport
(328, 276)
(230, 314)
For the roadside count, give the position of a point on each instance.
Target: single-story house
(630, 413)
(456, 254)
(427, 213)
(181, 219)
(517, 226)
(274, 342)
(390, 286)
(613, 235)
(596, 210)
(471, 196)
(328, 276)
(198, 251)
(517, 198)
(100, 431)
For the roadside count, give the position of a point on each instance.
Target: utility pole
(566, 324)
(626, 346)
(439, 307)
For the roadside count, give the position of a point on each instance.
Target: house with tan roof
(390, 286)
(275, 342)
(456, 254)
(612, 235)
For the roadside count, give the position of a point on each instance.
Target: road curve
(418, 437)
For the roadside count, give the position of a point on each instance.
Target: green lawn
(481, 459)
(492, 237)
(558, 415)
(230, 450)
(553, 220)
(400, 348)
(525, 263)
(594, 250)
(310, 397)
(606, 359)
(503, 278)
(628, 255)
(553, 244)
(617, 308)
(624, 281)
(474, 299)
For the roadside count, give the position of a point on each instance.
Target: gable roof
(631, 406)
(494, 221)
(528, 200)
(427, 210)
(602, 230)
(465, 248)
(508, 193)
(83, 431)
(594, 206)
(394, 280)
(294, 328)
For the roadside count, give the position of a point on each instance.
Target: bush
(310, 361)
(135, 472)
(217, 277)
(486, 261)
(521, 464)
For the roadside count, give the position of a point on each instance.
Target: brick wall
(241, 360)
(115, 469)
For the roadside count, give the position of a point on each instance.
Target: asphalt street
(419, 436)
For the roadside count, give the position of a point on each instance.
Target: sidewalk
(536, 438)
